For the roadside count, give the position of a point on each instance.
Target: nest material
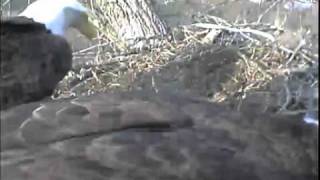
(286, 78)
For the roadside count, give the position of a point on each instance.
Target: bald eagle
(133, 135)
(35, 56)
(143, 135)
(59, 15)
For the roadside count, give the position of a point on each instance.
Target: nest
(286, 79)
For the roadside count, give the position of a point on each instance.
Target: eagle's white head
(59, 15)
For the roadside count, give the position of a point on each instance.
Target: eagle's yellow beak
(86, 27)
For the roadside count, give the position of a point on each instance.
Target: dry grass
(262, 59)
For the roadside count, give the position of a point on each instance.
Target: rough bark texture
(33, 61)
(128, 21)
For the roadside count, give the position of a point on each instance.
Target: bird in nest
(35, 55)
(133, 135)
(158, 136)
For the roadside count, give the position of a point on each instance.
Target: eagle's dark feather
(141, 136)
(33, 61)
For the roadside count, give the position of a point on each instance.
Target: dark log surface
(33, 61)
(144, 136)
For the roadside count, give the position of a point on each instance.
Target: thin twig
(244, 30)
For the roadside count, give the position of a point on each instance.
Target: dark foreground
(137, 136)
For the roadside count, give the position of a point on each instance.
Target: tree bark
(124, 22)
